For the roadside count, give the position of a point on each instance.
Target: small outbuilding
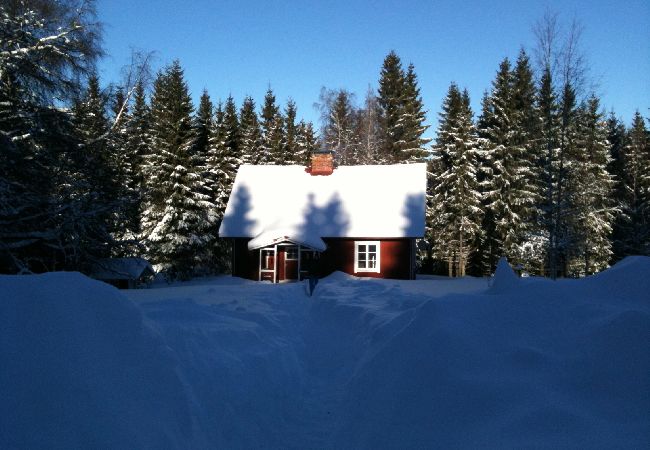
(287, 223)
(123, 273)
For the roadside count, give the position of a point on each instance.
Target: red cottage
(288, 222)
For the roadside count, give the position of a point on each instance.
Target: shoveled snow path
(235, 337)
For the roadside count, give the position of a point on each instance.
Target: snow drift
(363, 363)
(79, 368)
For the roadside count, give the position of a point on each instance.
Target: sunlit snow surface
(228, 363)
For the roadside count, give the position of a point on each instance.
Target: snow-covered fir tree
(127, 216)
(402, 113)
(138, 143)
(591, 202)
(636, 207)
(531, 248)
(413, 120)
(99, 172)
(390, 93)
(249, 133)
(509, 198)
(291, 133)
(617, 136)
(273, 134)
(223, 158)
(549, 148)
(306, 143)
(564, 170)
(203, 126)
(455, 200)
(179, 216)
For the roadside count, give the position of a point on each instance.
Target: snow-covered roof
(274, 202)
(120, 268)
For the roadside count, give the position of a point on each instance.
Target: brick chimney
(322, 163)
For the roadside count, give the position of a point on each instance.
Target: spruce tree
(616, 136)
(273, 139)
(338, 129)
(509, 199)
(591, 200)
(412, 119)
(126, 167)
(97, 170)
(455, 200)
(250, 133)
(549, 149)
(306, 143)
(221, 163)
(531, 250)
(178, 217)
(291, 130)
(203, 126)
(636, 163)
(138, 146)
(390, 99)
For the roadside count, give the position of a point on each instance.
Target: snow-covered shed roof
(121, 269)
(272, 203)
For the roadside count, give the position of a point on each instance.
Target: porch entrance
(286, 262)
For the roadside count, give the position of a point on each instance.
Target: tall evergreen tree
(455, 200)
(127, 216)
(402, 113)
(203, 126)
(45, 221)
(591, 194)
(413, 119)
(178, 218)
(97, 169)
(291, 130)
(306, 143)
(616, 136)
(250, 133)
(273, 139)
(531, 249)
(222, 162)
(390, 98)
(549, 149)
(636, 163)
(138, 144)
(509, 197)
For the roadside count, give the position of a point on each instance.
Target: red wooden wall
(396, 258)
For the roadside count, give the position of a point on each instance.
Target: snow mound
(81, 369)
(505, 278)
(623, 280)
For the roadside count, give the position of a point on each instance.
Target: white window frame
(377, 267)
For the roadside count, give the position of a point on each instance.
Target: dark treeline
(86, 172)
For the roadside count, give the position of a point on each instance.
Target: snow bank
(79, 368)
(363, 363)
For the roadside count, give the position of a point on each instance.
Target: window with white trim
(366, 256)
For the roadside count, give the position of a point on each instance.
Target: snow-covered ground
(363, 363)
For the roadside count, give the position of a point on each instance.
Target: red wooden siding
(396, 259)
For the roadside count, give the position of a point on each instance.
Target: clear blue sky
(240, 47)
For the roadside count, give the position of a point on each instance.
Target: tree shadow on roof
(327, 221)
(414, 212)
(236, 223)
